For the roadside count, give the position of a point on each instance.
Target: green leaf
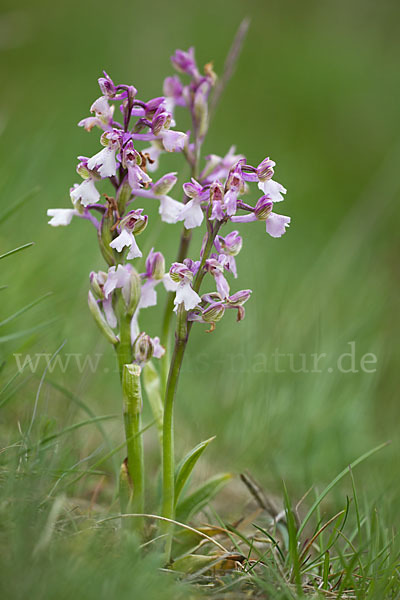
(193, 562)
(14, 250)
(293, 554)
(193, 503)
(186, 466)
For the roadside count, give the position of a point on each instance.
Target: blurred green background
(317, 89)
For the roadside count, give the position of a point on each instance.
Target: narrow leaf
(187, 465)
(193, 503)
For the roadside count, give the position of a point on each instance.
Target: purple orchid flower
(182, 274)
(230, 246)
(133, 224)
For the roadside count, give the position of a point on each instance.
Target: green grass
(316, 88)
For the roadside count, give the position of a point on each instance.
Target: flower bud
(214, 313)
(155, 265)
(185, 62)
(132, 294)
(143, 348)
(104, 235)
(153, 105)
(131, 389)
(100, 320)
(265, 169)
(124, 194)
(173, 87)
(201, 110)
(107, 86)
(97, 281)
(263, 208)
(165, 184)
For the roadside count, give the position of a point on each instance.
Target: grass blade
(15, 250)
(21, 311)
(12, 209)
(335, 481)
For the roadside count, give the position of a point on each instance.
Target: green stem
(133, 425)
(181, 339)
(168, 508)
(132, 398)
(186, 237)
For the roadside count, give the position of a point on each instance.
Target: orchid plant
(134, 135)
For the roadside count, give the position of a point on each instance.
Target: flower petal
(61, 216)
(148, 295)
(169, 209)
(187, 295)
(135, 251)
(273, 189)
(109, 312)
(105, 162)
(124, 239)
(191, 214)
(276, 225)
(173, 141)
(86, 193)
